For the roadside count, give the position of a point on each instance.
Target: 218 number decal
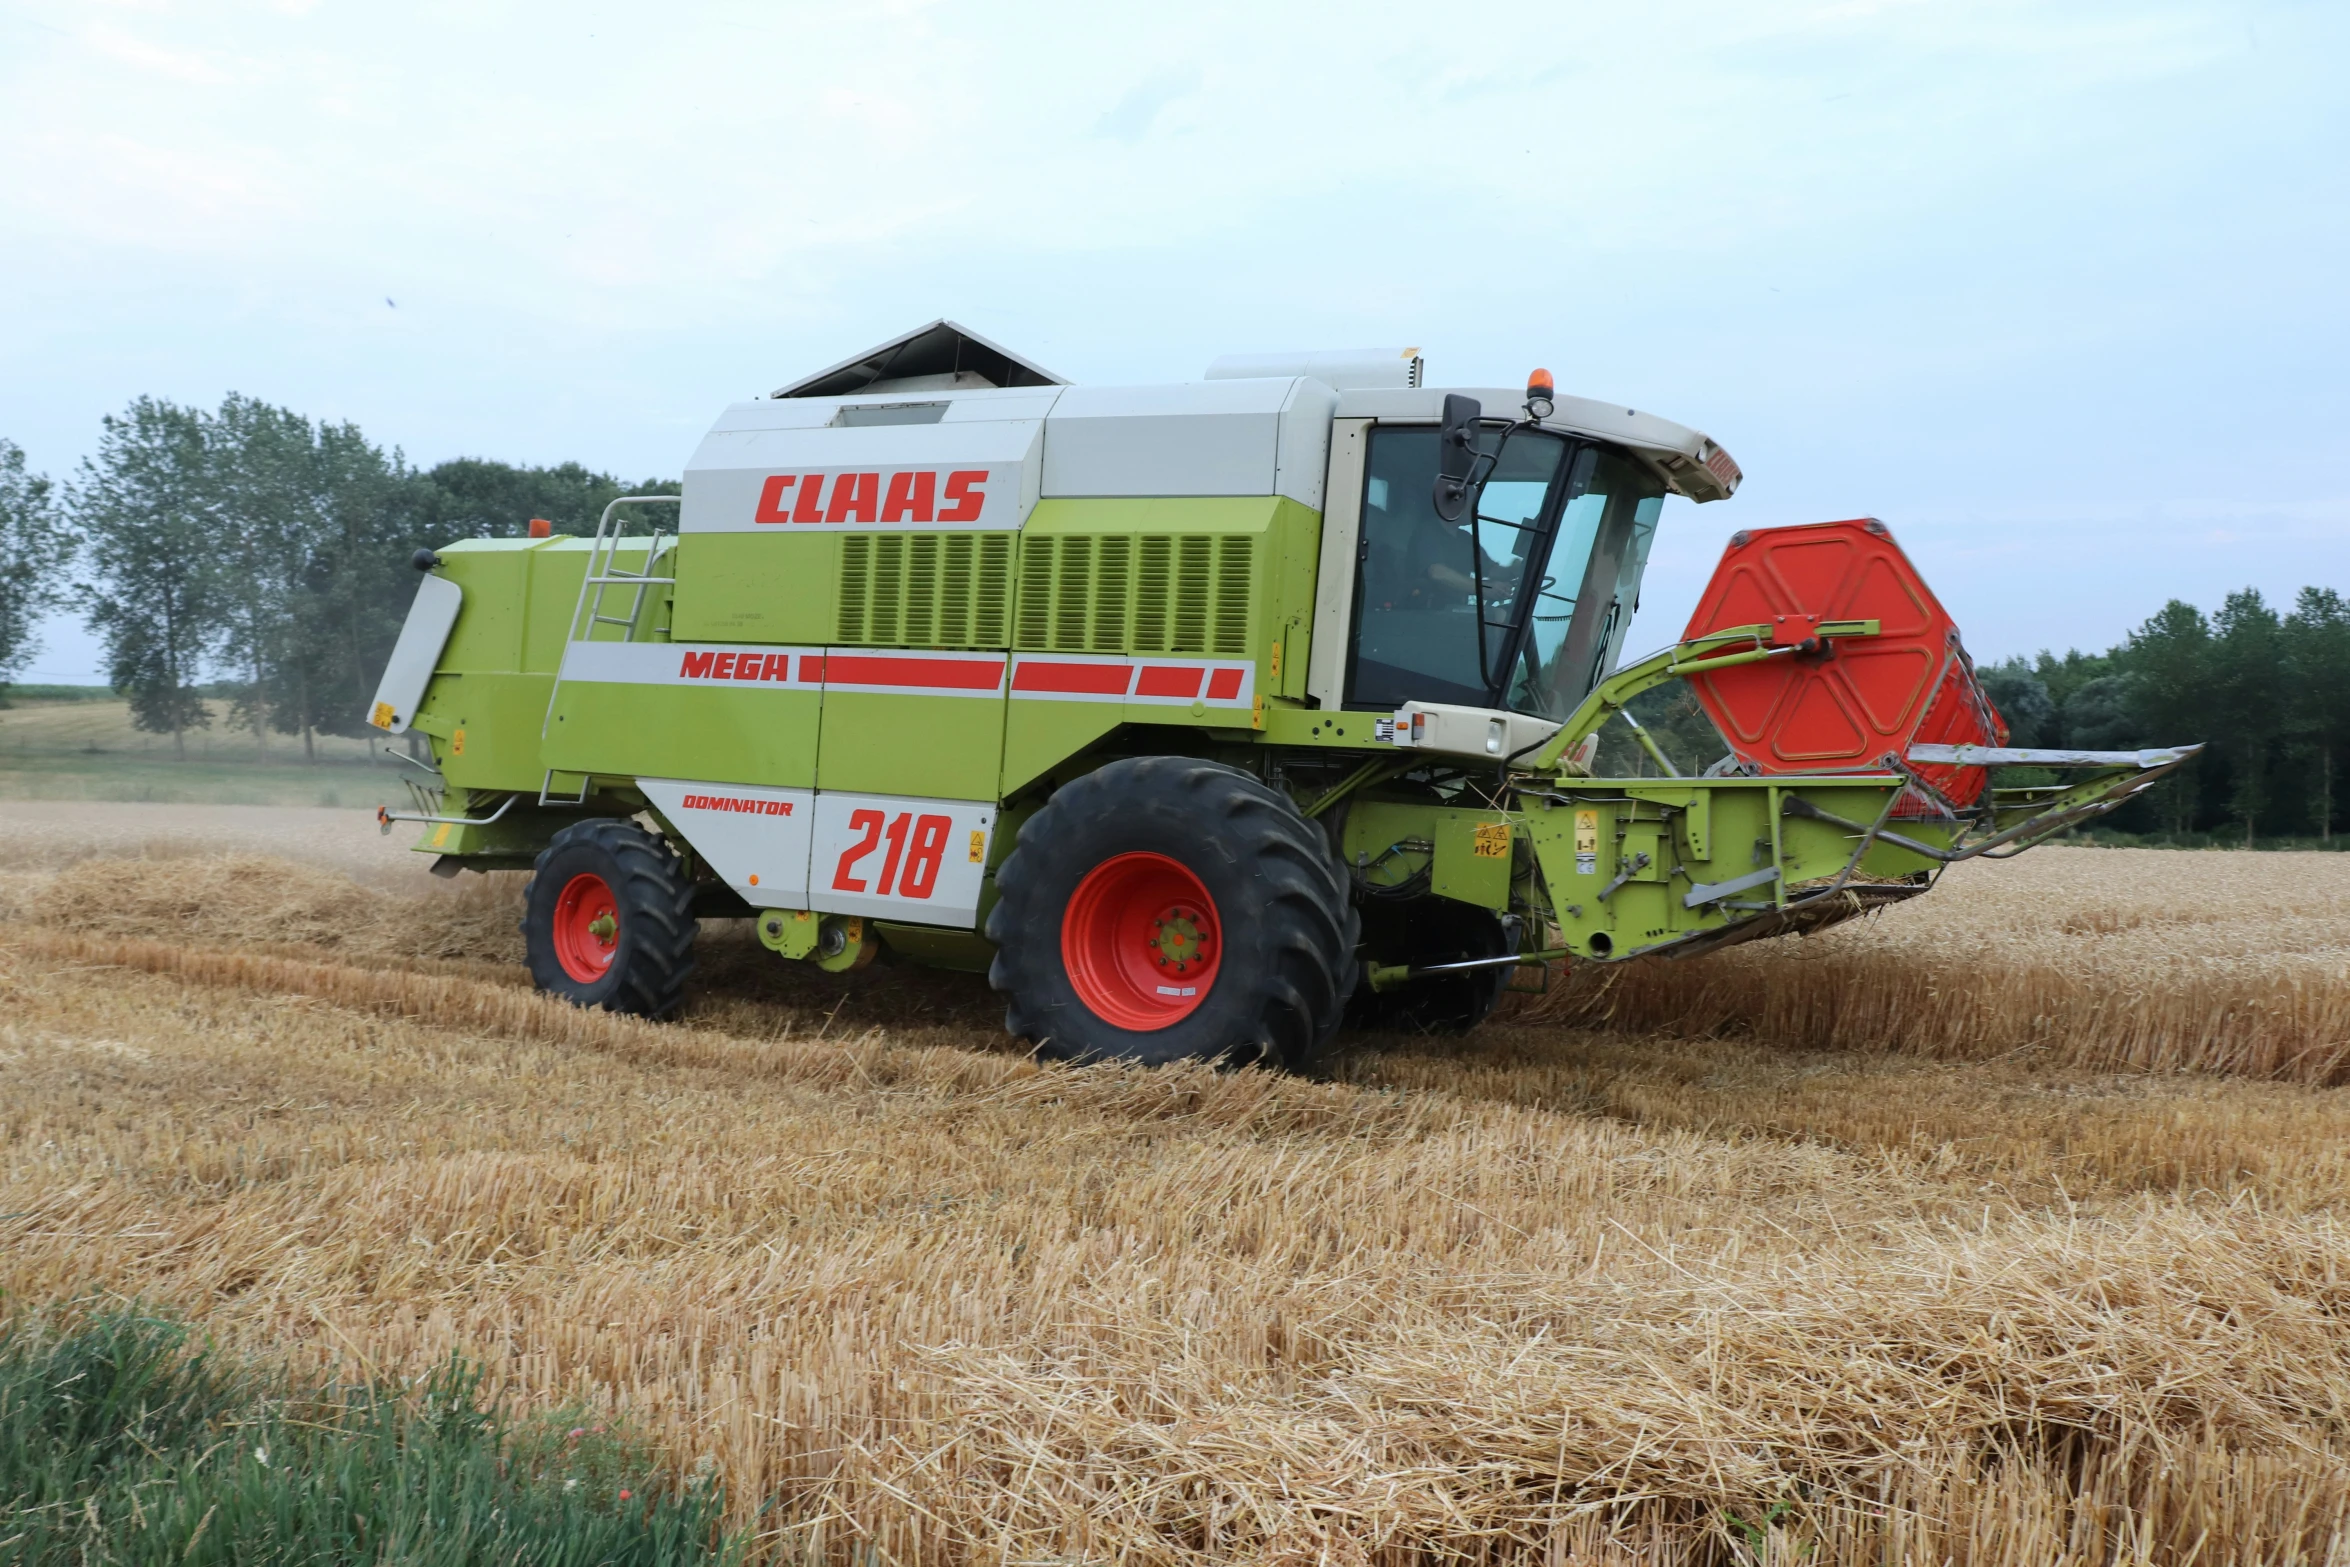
(916, 845)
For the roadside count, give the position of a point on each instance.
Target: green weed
(123, 1444)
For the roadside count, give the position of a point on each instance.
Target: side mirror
(1456, 455)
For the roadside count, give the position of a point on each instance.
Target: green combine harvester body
(1199, 716)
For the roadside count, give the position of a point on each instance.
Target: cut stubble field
(2003, 1227)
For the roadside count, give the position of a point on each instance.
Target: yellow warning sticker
(979, 847)
(383, 717)
(1490, 841)
(1586, 832)
(457, 743)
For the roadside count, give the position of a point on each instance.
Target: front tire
(1169, 909)
(608, 920)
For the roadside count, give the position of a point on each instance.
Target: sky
(2061, 291)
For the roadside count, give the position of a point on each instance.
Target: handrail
(385, 816)
(605, 547)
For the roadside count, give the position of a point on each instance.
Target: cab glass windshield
(1590, 585)
(1434, 600)
(1495, 612)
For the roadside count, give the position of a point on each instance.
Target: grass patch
(88, 749)
(122, 1442)
(11, 694)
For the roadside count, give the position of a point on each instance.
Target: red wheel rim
(1141, 941)
(587, 928)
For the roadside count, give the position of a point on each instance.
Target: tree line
(249, 564)
(2267, 692)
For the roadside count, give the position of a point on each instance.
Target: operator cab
(1512, 599)
(1519, 604)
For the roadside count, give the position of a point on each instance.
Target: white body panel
(787, 477)
(961, 405)
(887, 671)
(1334, 577)
(755, 839)
(690, 664)
(902, 859)
(432, 615)
(890, 856)
(1262, 437)
(1465, 731)
(1333, 367)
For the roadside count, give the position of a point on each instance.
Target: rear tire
(1169, 909)
(608, 920)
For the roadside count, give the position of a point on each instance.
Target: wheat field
(2002, 1228)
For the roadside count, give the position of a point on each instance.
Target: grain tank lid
(940, 356)
(1342, 369)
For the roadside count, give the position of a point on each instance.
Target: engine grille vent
(925, 589)
(1160, 593)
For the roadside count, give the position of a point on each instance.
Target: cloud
(1134, 116)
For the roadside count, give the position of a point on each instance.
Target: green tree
(141, 507)
(2063, 678)
(471, 496)
(2316, 644)
(35, 549)
(2100, 715)
(2246, 702)
(261, 490)
(2023, 700)
(355, 585)
(2168, 665)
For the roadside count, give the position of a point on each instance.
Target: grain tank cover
(942, 355)
(1268, 436)
(1342, 369)
(948, 459)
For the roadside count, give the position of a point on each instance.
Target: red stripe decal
(1072, 679)
(1225, 686)
(812, 668)
(954, 674)
(1158, 680)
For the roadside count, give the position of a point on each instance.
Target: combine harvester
(1198, 716)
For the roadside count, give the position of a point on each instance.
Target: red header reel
(1842, 705)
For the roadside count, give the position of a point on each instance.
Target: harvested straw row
(2293, 1026)
(2113, 960)
(871, 1059)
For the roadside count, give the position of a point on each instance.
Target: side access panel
(725, 714)
(1186, 610)
(755, 839)
(927, 723)
(488, 698)
(923, 862)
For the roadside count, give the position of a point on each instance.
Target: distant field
(87, 750)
